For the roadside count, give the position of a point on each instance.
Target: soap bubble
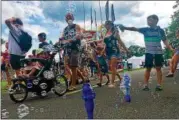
(4, 114)
(22, 111)
(32, 108)
(175, 83)
(41, 110)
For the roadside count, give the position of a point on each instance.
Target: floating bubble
(175, 83)
(135, 111)
(32, 108)
(36, 110)
(4, 114)
(158, 95)
(117, 106)
(22, 111)
(140, 83)
(41, 110)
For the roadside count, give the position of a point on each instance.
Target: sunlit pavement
(109, 102)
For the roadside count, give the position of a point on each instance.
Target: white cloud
(22, 10)
(34, 30)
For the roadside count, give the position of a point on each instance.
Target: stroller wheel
(18, 93)
(61, 85)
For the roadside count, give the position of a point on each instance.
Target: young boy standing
(152, 37)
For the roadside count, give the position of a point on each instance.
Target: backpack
(25, 41)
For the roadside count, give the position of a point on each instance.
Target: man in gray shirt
(15, 26)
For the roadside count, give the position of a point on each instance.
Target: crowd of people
(104, 56)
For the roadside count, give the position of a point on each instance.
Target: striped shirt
(153, 38)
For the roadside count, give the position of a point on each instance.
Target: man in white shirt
(15, 26)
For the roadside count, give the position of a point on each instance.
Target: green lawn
(3, 84)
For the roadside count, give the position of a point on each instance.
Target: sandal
(71, 89)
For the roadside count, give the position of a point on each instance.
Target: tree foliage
(136, 50)
(171, 30)
(2, 41)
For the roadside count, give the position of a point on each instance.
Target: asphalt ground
(109, 102)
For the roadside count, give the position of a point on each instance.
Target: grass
(3, 85)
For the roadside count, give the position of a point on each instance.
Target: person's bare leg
(175, 63)
(114, 70)
(74, 76)
(8, 78)
(32, 72)
(147, 76)
(80, 74)
(159, 75)
(18, 72)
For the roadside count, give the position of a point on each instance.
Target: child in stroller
(34, 67)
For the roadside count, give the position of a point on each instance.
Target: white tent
(136, 61)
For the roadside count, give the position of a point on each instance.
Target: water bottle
(88, 95)
(125, 87)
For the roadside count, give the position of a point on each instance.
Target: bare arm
(168, 45)
(9, 22)
(131, 28)
(120, 41)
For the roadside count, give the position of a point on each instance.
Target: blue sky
(48, 16)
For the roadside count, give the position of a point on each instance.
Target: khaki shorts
(73, 60)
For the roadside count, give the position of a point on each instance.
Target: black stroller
(46, 79)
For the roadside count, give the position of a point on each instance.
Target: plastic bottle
(88, 96)
(125, 87)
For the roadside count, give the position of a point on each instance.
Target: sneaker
(111, 85)
(146, 88)
(158, 88)
(170, 75)
(99, 84)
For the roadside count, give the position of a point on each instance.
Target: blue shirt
(153, 38)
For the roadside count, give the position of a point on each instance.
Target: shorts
(3, 67)
(15, 61)
(114, 55)
(73, 60)
(104, 68)
(151, 60)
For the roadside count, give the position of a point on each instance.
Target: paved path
(109, 102)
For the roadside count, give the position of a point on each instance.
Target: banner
(107, 10)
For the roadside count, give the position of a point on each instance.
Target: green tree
(2, 41)
(170, 31)
(136, 50)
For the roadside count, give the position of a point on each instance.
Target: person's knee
(158, 69)
(148, 70)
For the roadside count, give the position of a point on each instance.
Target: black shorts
(155, 60)
(3, 67)
(15, 61)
